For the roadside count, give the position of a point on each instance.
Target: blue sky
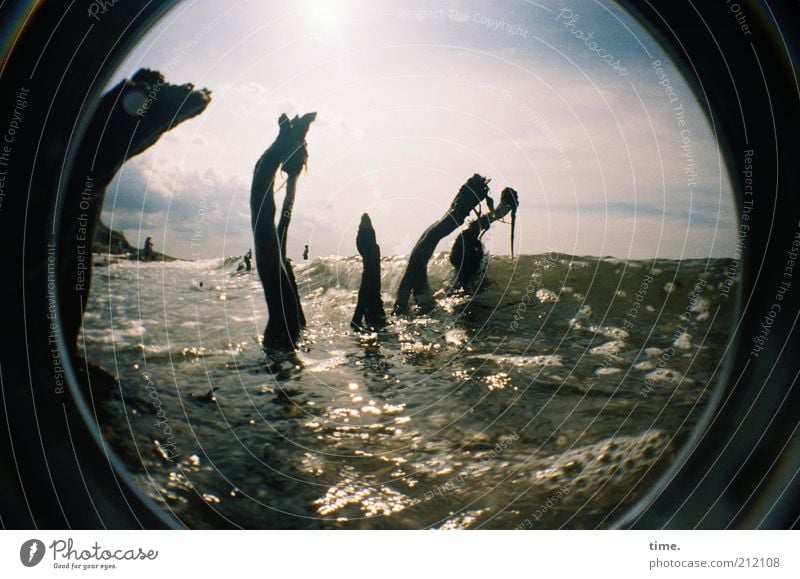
(557, 100)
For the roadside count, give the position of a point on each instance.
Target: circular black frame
(740, 470)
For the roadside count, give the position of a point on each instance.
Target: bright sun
(326, 15)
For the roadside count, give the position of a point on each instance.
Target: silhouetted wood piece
(129, 119)
(467, 254)
(415, 278)
(293, 166)
(283, 229)
(369, 314)
(288, 151)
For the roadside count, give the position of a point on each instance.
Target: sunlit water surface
(554, 398)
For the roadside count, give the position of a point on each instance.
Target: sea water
(554, 396)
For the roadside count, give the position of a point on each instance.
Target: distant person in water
(305, 253)
(148, 249)
(247, 260)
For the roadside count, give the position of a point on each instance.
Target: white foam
(702, 307)
(683, 342)
(664, 375)
(610, 331)
(540, 361)
(609, 348)
(545, 295)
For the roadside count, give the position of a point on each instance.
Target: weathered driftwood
(467, 254)
(283, 229)
(286, 210)
(293, 166)
(130, 118)
(369, 314)
(289, 152)
(415, 278)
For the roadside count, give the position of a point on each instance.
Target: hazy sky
(558, 100)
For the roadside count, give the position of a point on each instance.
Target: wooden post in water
(369, 314)
(468, 252)
(288, 151)
(130, 118)
(415, 278)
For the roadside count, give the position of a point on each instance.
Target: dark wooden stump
(130, 118)
(415, 278)
(283, 229)
(288, 151)
(369, 314)
(467, 254)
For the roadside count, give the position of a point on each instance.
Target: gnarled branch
(415, 278)
(130, 118)
(286, 319)
(468, 252)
